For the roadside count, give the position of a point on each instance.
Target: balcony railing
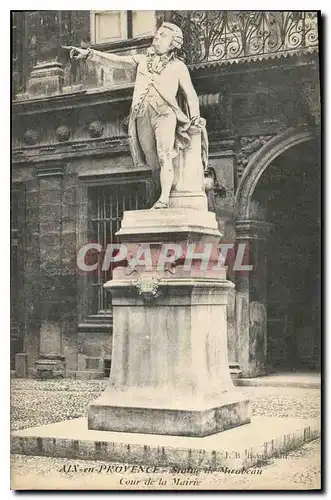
(214, 36)
(209, 37)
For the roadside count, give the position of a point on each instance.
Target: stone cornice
(106, 95)
(103, 146)
(252, 229)
(69, 150)
(220, 147)
(123, 45)
(72, 100)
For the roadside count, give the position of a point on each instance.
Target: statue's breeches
(156, 133)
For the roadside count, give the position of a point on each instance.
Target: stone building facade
(257, 77)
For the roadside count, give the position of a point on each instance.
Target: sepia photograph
(165, 252)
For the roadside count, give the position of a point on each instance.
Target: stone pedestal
(21, 365)
(188, 186)
(170, 371)
(46, 78)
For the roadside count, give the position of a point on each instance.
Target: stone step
(241, 447)
(300, 380)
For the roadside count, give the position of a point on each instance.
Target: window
(143, 23)
(106, 205)
(109, 26)
(114, 25)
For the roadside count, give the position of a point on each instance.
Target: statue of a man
(164, 104)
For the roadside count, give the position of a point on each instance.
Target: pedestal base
(170, 370)
(46, 78)
(169, 225)
(244, 446)
(187, 418)
(51, 367)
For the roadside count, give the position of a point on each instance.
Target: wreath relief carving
(248, 146)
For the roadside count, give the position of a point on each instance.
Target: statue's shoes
(160, 204)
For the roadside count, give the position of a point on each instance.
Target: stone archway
(258, 164)
(251, 302)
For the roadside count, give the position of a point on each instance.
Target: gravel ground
(42, 402)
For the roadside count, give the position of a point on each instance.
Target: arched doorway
(289, 192)
(283, 182)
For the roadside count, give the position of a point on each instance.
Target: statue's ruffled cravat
(156, 63)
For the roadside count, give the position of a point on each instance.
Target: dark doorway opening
(290, 193)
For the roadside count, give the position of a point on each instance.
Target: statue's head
(168, 37)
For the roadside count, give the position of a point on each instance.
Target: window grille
(106, 205)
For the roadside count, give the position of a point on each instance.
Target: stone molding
(121, 45)
(248, 146)
(71, 149)
(54, 171)
(310, 95)
(71, 100)
(220, 148)
(252, 229)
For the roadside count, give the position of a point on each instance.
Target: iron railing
(213, 36)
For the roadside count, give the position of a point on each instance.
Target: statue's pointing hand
(76, 52)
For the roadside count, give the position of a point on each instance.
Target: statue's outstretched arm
(185, 84)
(104, 58)
(114, 60)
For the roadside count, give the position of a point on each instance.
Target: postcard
(165, 250)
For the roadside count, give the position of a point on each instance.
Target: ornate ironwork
(212, 36)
